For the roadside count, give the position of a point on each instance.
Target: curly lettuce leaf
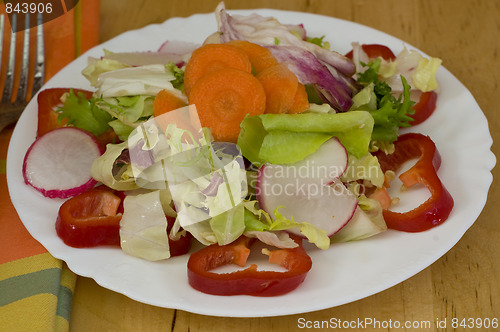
(127, 112)
(391, 113)
(83, 113)
(178, 82)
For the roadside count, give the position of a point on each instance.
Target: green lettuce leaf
(98, 66)
(287, 147)
(178, 82)
(389, 113)
(288, 138)
(127, 109)
(229, 225)
(259, 220)
(364, 168)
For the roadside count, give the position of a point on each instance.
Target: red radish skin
(58, 163)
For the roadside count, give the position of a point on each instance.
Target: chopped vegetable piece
(90, 219)
(437, 208)
(375, 50)
(223, 99)
(249, 281)
(381, 195)
(212, 57)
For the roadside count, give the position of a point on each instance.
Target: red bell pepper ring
(434, 210)
(248, 281)
(424, 107)
(90, 219)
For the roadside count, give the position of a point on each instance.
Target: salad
(261, 133)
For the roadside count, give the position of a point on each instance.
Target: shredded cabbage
(143, 227)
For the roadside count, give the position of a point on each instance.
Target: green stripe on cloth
(64, 301)
(26, 285)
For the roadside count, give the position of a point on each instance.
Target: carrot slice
(300, 101)
(211, 57)
(280, 85)
(166, 101)
(260, 57)
(224, 97)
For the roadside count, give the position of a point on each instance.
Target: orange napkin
(35, 288)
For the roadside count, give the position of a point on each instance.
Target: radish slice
(310, 190)
(324, 166)
(58, 163)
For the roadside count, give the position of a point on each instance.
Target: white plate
(342, 274)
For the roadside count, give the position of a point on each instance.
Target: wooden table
(465, 282)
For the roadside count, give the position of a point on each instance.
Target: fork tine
(9, 78)
(40, 56)
(25, 60)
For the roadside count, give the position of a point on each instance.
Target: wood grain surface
(464, 283)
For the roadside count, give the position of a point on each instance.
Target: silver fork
(10, 109)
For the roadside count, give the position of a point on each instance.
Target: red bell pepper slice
(248, 281)
(434, 210)
(90, 219)
(182, 245)
(424, 107)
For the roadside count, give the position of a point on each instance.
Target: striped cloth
(36, 290)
